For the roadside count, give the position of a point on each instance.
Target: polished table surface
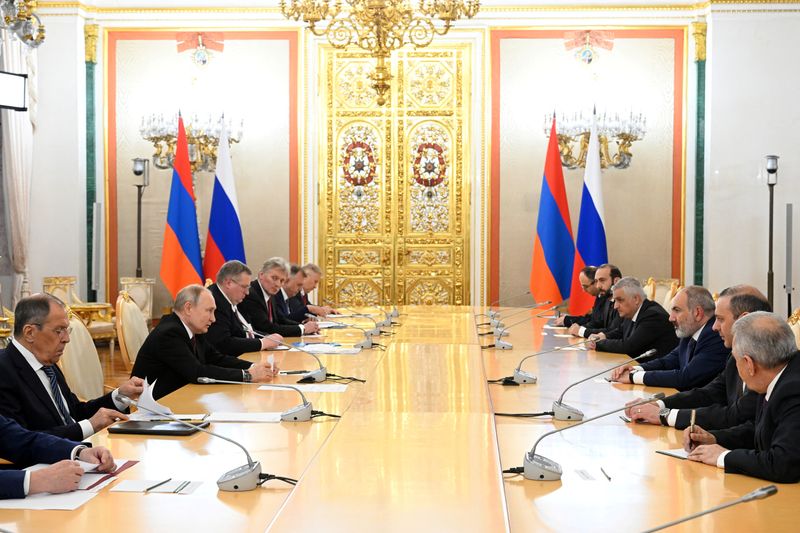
(418, 447)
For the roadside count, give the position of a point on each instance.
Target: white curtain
(18, 160)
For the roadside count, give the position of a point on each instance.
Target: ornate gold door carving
(394, 198)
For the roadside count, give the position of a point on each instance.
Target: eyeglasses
(244, 286)
(59, 331)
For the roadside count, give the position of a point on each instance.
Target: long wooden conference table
(418, 447)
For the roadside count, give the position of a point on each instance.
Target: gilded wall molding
(90, 32)
(699, 34)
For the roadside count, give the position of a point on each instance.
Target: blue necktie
(51, 375)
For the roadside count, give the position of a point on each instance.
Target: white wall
(58, 185)
(753, 84)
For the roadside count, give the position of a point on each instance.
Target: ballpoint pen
(691, 430)
(148, 489)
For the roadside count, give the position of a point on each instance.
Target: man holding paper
(24, 447)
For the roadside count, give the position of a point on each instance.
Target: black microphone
(365, 344)
(521, 377)
(566, 412)
(245, 477)
(541, 468)
(758, 494)
(300, 413)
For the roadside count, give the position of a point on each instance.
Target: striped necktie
(62, 409)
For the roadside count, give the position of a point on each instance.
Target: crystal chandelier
(202, 136)
(575, 128)
(20, 19)
(379, 26)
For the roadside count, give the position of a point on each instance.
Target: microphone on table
(365, 344)
(375, 331)
(496, 323)
(499, 343)
(300, 413)
(491, 313)
(758, 494)
(520, 377)
(319, 375)
(501, 330)
(395, 313)
(245, 477)
(565, 412)
(541, 468)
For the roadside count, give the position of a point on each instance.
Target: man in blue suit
(23, 447)
(700, 354)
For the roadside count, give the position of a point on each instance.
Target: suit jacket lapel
(33, 382)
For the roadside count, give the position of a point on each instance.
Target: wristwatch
(662, 416)
(247, 377)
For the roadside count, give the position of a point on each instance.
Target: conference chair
(97, 316)
(131, 328)
(794, 323)
(80, 362)
(141, 291)
(661, 290)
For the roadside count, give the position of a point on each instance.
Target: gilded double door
(394, 180)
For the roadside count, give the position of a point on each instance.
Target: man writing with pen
(766, 447)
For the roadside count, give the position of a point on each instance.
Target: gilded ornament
(90, 32)
(699, 33)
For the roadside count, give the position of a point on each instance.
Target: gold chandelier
(19, 17)
(379, 26)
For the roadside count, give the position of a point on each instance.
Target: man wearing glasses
(33, 390)
(231, 333)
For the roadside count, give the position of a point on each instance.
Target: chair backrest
(670, 294)
(131, 328)
(794, 323)
(141, 291)
(62, 287)
(649, 288)
(80, 362)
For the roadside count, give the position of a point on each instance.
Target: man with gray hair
(766, 357)
(231, 333)
(645, 324)
(311, 282)
(700, 354)
(177, 352)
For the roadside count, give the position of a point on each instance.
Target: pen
(148, 489)
(181, 487)
(605, 473)
(691, 425)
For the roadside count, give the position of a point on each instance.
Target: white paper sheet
(310, 387)
(327, 348)
(45, 501)
(222, 416)
(145, 417)
(562, 335)
(324, 324)
(680, 453)
(548, 326)
(140, 485)
(90, 476)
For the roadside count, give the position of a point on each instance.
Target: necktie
(62, 409)
(305, 299)
(690, 351)
(269, 309)
(194, 343)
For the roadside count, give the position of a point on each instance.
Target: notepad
(680, 453)
(68, 501)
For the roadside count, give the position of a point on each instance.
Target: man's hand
(105, 417)
(694, 436)
(644, 413)
(132, 388)
(98, 456)
(707, 453)
(575, 330)
(312, 326)
(62, 476)
(559, 321)
(620, 375)
(593, 338)
(262, 372)
(270, 341)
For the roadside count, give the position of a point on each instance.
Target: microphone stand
(541, 468)
(563, 411)
(321, 374)
(245, 477)
(520, 377)
(365, 344)
(375, 331)
(758, 494)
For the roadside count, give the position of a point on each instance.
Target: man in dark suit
(313, 276)
(645, 324)
(24, 448)
(177, 352)
(231, 333)
(586, 279)
(296, 308)
(767, 359)
(700, 355)
(265, 309)
(724, 402)
(33, 390)
(603, 316)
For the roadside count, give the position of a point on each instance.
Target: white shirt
(73, 455)
(721, 458)
(36, 366)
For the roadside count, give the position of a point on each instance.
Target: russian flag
(591, 242)
(553, 246)
(180, 260)
(224, 242)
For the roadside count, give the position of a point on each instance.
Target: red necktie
(305, 299)
(269, 309)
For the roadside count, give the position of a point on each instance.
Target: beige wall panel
(249, 80)
(537, 76)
